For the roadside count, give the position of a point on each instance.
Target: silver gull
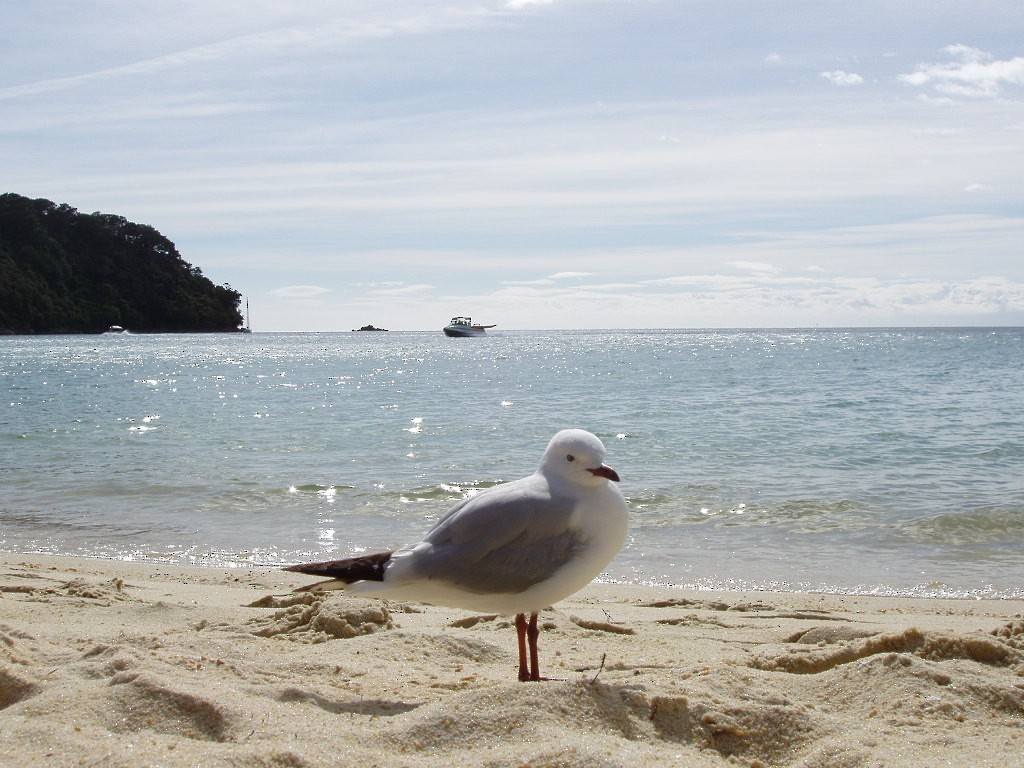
(512, 549)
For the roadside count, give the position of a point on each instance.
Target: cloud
(972, 73)
(309, 32)
(518, 4)
(299, 291)
(202, 55)
(843, 79)
(550, 279)
(718, 300)
(868, 299)
(539, 281)
(399, 289)
(756, 266)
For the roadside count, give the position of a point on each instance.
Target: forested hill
(62, 271)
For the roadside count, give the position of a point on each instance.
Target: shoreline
(203, 564)
(104, 662)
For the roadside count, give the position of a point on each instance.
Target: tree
(62, 271)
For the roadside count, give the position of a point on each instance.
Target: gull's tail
(340, 573)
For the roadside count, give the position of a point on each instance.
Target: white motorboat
(464, 326)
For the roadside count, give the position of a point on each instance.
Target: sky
(543, 164)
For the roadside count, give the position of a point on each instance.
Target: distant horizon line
(685, 329)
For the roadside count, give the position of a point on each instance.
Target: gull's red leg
(533, 633)
(524, 671)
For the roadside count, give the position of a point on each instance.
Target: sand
(119, 664)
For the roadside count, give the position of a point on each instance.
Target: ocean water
(883, 461)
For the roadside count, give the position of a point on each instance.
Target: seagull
(512, 549)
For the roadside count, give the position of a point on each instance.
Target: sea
(882, 461)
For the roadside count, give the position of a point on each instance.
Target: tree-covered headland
(62, 271)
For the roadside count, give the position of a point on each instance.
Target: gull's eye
(570, 457)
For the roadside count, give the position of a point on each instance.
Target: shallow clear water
(877, 460)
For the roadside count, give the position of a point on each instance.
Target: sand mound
(932, 646)
(1012, 633)
(16, 645)
(141, 701)
(310, 618)
(14, 688)
(43, 589)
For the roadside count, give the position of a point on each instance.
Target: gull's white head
(577, 456)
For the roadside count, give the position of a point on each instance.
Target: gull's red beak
(606, 472)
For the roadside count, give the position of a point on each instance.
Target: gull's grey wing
(502, 541)
(501, 512)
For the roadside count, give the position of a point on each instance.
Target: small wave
(443, 491)
(799, 515)
(1003, 525)
(315, 488)
(932, 590)
(651, 501)
(1001, 451)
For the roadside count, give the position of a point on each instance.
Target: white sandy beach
(121, 664)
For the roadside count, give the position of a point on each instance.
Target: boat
(368, 328)
(245, 328)
(464, 326)
(115, 329)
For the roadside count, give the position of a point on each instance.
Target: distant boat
(245, 328)
(115, 329)
(464, 326)
(369, 328)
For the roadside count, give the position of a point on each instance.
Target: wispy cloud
(299, 291)
(550, 279)
(203, 55)
(397, 290)
(756, 266)
(519, 4)
(972, 73)
(308, 33)
(718, 300)
(842, 78)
